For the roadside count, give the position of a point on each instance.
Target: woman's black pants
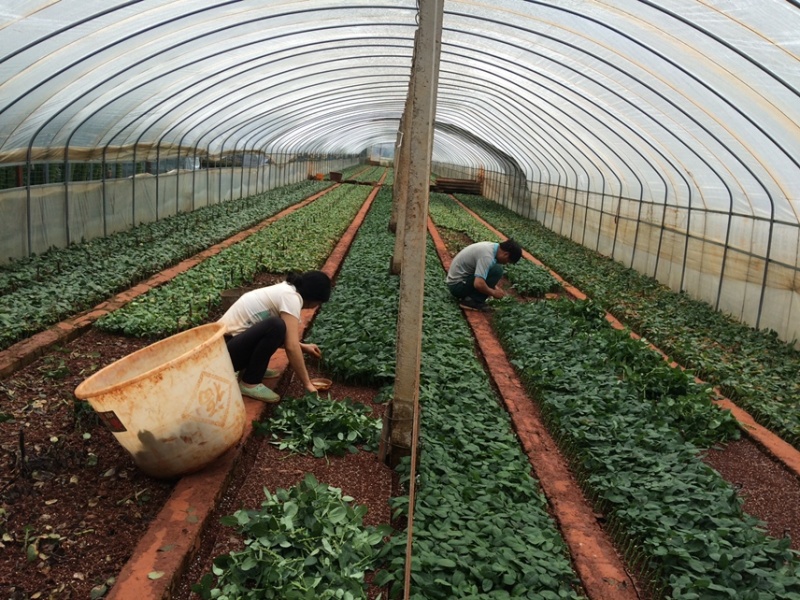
(251, 350)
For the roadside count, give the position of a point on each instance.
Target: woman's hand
(312, 350)
(311, 389)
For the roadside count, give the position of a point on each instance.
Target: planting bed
(753, 368)
(359, 475)
(747, 477)
(73, 502)
(769, 490)
(74, 506)
(70, 488)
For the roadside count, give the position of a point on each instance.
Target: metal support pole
(398, 151)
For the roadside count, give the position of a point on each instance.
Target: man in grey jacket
(476, 271)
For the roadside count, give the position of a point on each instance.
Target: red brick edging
(771, 443)
(26, 351)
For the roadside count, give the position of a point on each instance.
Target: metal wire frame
(709, 132)
(787, 153)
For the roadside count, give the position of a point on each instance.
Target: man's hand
(480, 286)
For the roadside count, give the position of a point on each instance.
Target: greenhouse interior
(422, 300)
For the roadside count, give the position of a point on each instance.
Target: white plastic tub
(174, 405)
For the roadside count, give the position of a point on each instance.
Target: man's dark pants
(462, 290)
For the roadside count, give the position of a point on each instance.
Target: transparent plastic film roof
(681, 114)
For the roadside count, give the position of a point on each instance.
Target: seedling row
(754, 368)
(41, 290)
(633, 428)
(481, 526)
(298, 242)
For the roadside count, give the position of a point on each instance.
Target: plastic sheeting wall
(726, 272)
(97, 208)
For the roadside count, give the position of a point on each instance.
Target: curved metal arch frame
(568, 100)
(187, 88)
(743, 163)
(723, 98)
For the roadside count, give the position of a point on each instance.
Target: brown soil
(454, 240)
(769, 490)
(72, 502)
(72, 493)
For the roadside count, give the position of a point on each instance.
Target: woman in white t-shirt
(263, 320)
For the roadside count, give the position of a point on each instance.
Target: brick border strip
(772, 444)
(26, 351)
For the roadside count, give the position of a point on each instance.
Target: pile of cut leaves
(305, 543)
(321, 426)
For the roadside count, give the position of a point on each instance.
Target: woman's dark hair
(313, 286)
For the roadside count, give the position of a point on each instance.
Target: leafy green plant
(321, 426)
(481, 524)
(368, 174)
(632, 428)
(305, 543)
(445, 212)
(298, 242)
(41, 290)
(532, 280)
(39, 547)
(527, 278)
(53, 367)
(754, 368)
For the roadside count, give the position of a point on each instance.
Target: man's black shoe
(470, 304)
